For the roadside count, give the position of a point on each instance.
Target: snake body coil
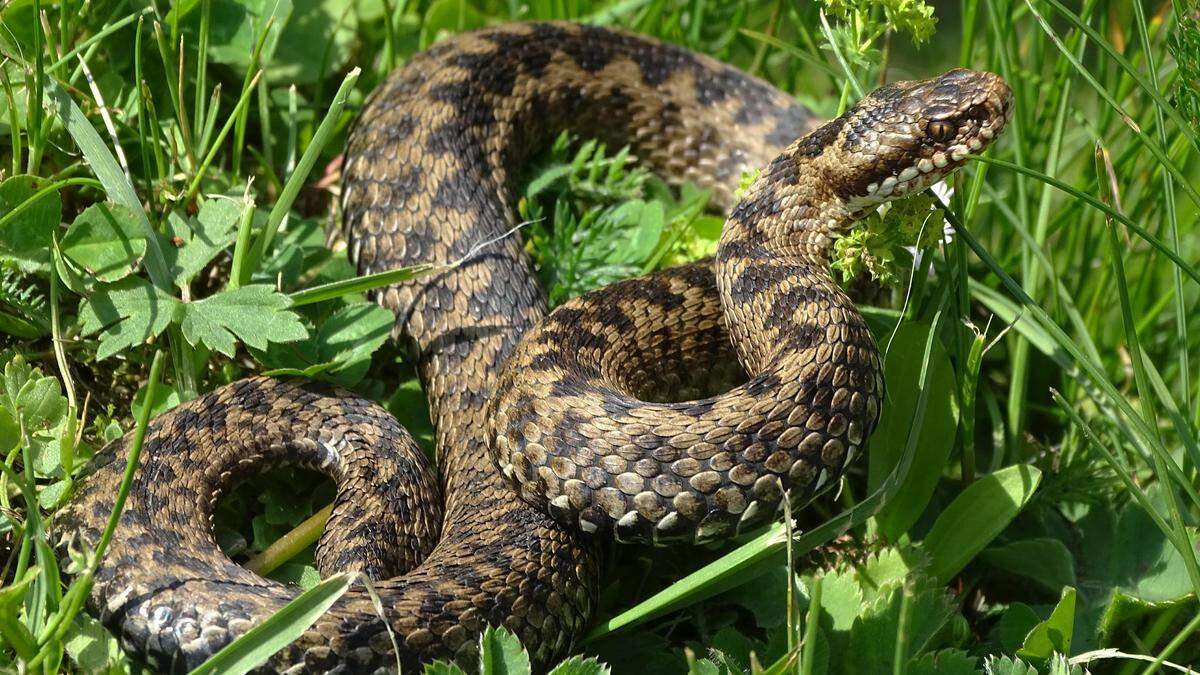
(567, 414)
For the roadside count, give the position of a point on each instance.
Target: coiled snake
(568, 414)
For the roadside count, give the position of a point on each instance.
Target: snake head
(906, 136)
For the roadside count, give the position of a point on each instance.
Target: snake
(554, 432)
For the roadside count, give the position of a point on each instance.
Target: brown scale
(573, 427)
(428, 173)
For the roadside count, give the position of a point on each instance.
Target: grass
(1030, 501)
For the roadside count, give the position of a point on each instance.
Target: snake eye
(941, 130)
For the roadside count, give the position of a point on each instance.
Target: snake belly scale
(578, 413)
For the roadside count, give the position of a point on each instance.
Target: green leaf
(333, 24)
(339, 349)
(449, 16)
(1128, 569)
(351, 334)
(874, 634)
(937, 434)
(1003, 665)
(102, 162)
(841, 599)
(578, 665)
(976, 516)
(501, 653)
(1015, 624)
(887, 568)
(127, 313)
(93, 649)
(165, 397)
(10, 432)
(194, 242)
(443, 668)
(646, 220)
(26, 238)
(409, 405)
(41, 403)
(106, 240)
(1046, 561)
(256, 315)
(945, 662)
(1053, 634)
(236, 26)
(278, 630)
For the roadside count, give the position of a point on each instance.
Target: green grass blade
(1149, 86)
(1158, 152)
(279, 630)
(291, 188)
(756, 556)
(362, 284)
(1140, 231)
(976, 516)
(105, 166)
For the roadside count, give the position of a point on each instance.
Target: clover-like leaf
(106, 240)
(25, 239)
(256, 315)
(194, 242)
(127, 313)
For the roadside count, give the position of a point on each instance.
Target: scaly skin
(429, 173)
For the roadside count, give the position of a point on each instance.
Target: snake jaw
(906, 136)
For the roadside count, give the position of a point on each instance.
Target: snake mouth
(930, 128)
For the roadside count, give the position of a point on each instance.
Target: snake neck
(772, 261)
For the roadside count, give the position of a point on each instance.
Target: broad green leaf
(1053, 634)
(277, 631)
(578, 665)
(339, 349)
(1128, 569)
(41, 403)
(93, 649)
(945, 662)
(443, 668)
(50, 496)
(501, 653)
(976, 516)
(236, 26)
(102, 162)
(937, 434)
(256, 315)
(645, 221)
(10, 432)
(730, 649)
(764, 599)
(127, 313)
(333, 24)
(194, 242)
(449, 16)
(887, 568)
(639, 651)
(26, 238)
(352, 333)
(1004, 665)
(872, 647)
(1045, 560)
(166, 397)
(841, 600)
(1015, 624)
(106, 240)
(408, 404)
